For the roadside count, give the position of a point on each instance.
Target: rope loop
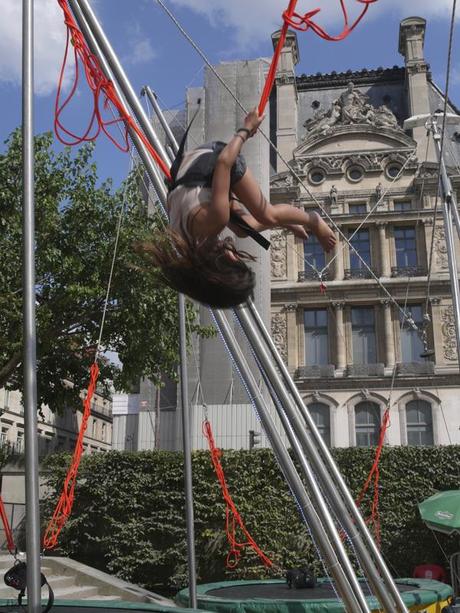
(99, 85)
(233, 519)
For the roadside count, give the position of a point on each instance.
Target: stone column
(388, 332)
(411, 42)
(286, 98)
(338, 264)
(340, 335)
(292, 353)
(385, 268)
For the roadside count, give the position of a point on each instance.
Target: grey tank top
(182, 201)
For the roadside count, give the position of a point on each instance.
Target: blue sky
(154, 52)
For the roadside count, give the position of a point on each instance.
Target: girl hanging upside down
(210, 183)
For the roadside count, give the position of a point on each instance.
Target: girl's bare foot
(321, 230)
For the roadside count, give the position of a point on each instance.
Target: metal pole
(187, 449)
(120, 76)
(30, 339)
(447, 210)
(164, 124)
(304, 445)
(93, 41)
(289, 470)
(331, 467)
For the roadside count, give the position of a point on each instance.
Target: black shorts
(202, 170)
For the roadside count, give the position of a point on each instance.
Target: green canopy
(441, 512)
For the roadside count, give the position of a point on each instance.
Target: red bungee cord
(7, 528)
(374, 477)
(99, 86)
(304, 23)
(64, 506)
(233, 519)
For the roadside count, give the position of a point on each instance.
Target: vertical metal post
(159, 113)
(448, 212)
(100, 46)
(289, 470)
(187, 449)
(30, 340)
(334, 479)
(302, 444)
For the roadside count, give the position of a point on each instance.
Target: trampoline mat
(280, 591)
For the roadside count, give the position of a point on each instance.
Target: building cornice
(359, 77)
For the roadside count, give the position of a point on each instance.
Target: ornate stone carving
(448, 333)
(338, 163)
(279, 333)
(413, 69)
(417, 393)
(278, 254)
(285, 78)
(290, 308)
(440, 247)
(351, 107)
(339, 304)
(283, 180)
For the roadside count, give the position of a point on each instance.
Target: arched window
(367, 423)
(322, 417)
(419, 423)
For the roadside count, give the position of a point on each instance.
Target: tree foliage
(129, 515)
(76, 221)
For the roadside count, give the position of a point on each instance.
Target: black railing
(311, 275)
(357, 273)
(408, 271)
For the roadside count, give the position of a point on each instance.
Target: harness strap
(257, 236)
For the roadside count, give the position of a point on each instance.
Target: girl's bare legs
(248, 191)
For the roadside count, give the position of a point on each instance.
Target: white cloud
(254, 18)
(140, 47)
(49, 43)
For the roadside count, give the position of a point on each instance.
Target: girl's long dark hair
(201, 269)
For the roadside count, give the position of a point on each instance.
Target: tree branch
(9, 367)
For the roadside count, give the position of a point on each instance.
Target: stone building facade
(55, 432)
(340, 332)
(353, 326)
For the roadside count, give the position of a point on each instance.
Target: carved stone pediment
(335, 165)
(354, 138)
(351, 108)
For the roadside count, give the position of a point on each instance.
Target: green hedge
(128, 516)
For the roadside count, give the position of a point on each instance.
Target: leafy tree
(76, 221)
